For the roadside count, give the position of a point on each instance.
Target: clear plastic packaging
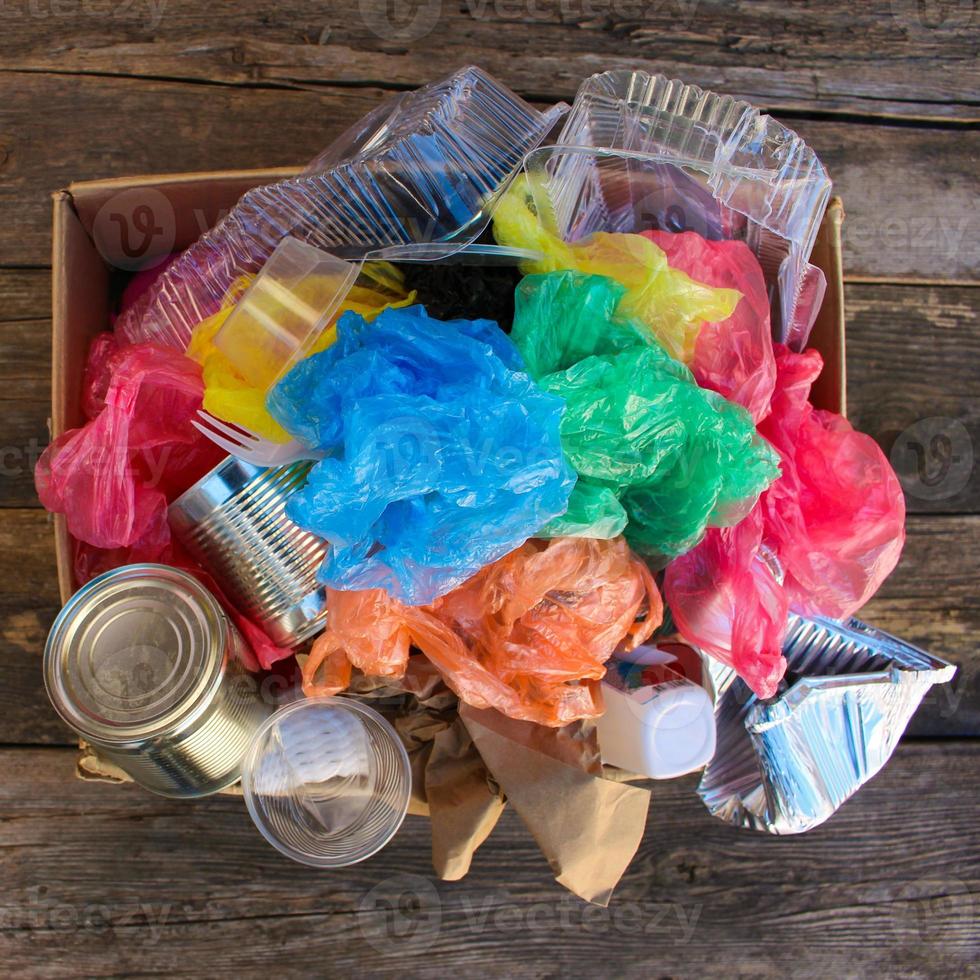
(425, 166)
(283, 312)
(327, 781)
(685, 159)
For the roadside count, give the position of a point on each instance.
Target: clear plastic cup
(327, 781)
(284, 311)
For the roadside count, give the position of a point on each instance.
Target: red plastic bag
(528, 635)
(834, 522)
(734, 356)
(724, 599)
(112, 477)
(836, 517)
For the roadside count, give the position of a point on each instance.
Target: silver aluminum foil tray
(784, 765)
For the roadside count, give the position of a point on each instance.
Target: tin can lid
(134, 653)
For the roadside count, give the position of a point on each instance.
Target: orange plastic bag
(528, 635)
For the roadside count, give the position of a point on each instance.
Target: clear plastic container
(284, 311)
(425, 166)
(692, 160)
(327, 781)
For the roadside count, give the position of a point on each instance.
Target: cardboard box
(90, 241)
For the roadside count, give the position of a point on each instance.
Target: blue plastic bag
(442, 454)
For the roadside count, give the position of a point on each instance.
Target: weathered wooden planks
(888, 58)
(910, 191)
(122, 882)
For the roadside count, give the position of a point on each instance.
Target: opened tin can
(143, 664)
(232, 521)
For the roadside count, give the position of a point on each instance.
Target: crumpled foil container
(784, 765)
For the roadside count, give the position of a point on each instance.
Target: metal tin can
(233, 524)
(143, 664)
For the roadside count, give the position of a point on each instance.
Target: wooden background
(97, 880)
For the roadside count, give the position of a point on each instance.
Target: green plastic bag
(659, 300)
(657, 457)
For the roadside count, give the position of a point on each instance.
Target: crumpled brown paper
(467, 762)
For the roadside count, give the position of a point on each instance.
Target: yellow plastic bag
(667, 301)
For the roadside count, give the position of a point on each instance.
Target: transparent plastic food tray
(725, 170)
(425, 166)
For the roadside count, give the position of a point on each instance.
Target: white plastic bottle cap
(657, 731)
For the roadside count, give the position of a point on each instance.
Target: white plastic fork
(247, 445)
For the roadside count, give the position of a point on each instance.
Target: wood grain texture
(910, 191)
(930, 600)
(913, 382)
(125, 883)
(829, 57)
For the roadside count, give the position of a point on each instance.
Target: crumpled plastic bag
(231, 397)
(528, 635)
(442, 454)
(832, 526)
(656, 455)
(668, 302)
(732, 356)
(113, 477)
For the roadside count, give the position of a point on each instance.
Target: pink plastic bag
(836, 518)
(724, 599)
(112, 477)
(834, 522)
(734, 356)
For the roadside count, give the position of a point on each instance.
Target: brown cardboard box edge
(80, 303)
